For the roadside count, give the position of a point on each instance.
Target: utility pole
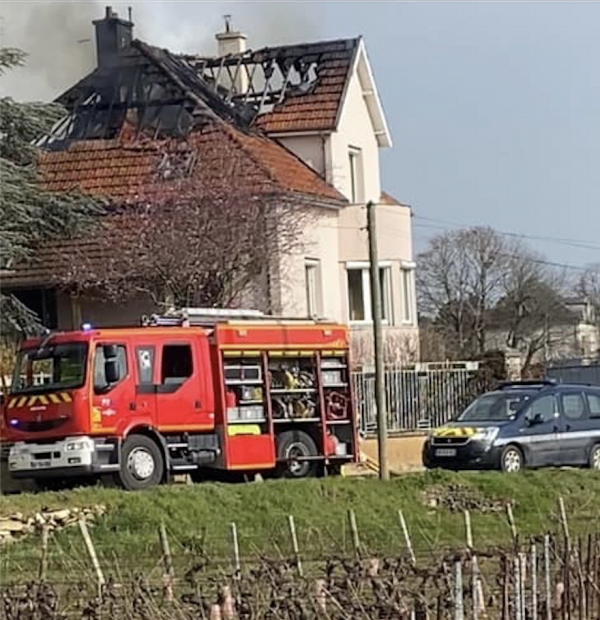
(384, 473)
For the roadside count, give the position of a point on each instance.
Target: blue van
(521, 424)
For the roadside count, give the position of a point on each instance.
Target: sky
(494, 107)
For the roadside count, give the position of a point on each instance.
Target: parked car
(521, 424)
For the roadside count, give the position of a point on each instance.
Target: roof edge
(373, 101)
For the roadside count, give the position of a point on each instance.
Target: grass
(198, 517)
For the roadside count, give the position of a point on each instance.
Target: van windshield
(54, 367)
(496, 406)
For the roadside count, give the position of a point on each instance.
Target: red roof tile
(318, 108)
(124, 171)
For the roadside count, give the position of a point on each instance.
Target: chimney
(232, 42)
(113, 35)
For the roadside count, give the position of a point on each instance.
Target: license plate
(40, 464)
(445, 452)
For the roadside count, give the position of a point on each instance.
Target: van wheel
(142, 463)
(292, 446)
(595, 457)
(511, 460)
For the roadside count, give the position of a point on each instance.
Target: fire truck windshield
(52, 367)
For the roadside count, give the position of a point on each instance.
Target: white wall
(310, 149)
(355, 129)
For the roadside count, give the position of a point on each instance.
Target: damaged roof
(127, 120)
(291, 87)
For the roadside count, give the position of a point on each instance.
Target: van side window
(100, 383)
(176, 364)
(594, 404)
(573, 406)
(543, 407)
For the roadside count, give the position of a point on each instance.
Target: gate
(419, 397)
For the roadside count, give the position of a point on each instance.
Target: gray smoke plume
(60, 41)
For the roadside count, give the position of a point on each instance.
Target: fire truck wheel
(292, 446)
(142, 463)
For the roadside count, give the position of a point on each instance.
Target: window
(496, 406)
(544, 408)
(176, 364)
(594, 404)
(359, 293)
(312, 270)
(356, 175)
(61, 366)
(145, 364)
(407, 293)
(573, 406)
(101, 384)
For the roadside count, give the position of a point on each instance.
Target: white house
(317, 127)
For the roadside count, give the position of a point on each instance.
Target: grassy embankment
(198, 517)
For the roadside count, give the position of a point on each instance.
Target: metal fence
(576, 371)
(419, 397)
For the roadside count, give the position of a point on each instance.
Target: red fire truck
(186, 393)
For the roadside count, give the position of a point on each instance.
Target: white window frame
(314, 265)
(407, 293)
(387, 307)
(356, 175)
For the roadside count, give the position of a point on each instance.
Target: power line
(577, 243)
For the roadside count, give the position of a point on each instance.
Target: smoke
(60, 41)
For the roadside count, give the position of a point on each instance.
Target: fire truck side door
(181, 398)
(145, 382)
(111, 401)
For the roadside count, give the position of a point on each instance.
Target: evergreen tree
(29, 215)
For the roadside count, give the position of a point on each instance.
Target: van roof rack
(207, 317)
(527, 383)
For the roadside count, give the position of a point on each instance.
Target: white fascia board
(371, 96)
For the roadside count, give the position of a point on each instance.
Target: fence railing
(419, 397)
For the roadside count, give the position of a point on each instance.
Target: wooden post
(459, 609)
(168, 575)
(382, 432)
(512, 524)
(89, 545)
(534, 583)
(547, 577)
(413, 559)
(518, 606)
(354, 530)
(237, 566)
(295, 547)
(44, 553)
(565, 525)
(523, 584)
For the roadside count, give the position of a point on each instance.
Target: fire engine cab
(184, 393)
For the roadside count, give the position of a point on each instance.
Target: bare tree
(459, 279)
(531, 315)
(210, 238)
(587, 286)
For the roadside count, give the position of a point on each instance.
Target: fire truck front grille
(39, 427)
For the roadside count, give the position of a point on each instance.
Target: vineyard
(468, 553)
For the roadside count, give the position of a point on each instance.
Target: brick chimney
(231, 43)
(113, 35)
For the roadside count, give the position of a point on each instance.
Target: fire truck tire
(294, 444)
(142, 463)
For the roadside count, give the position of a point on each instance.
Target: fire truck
(196, 391)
